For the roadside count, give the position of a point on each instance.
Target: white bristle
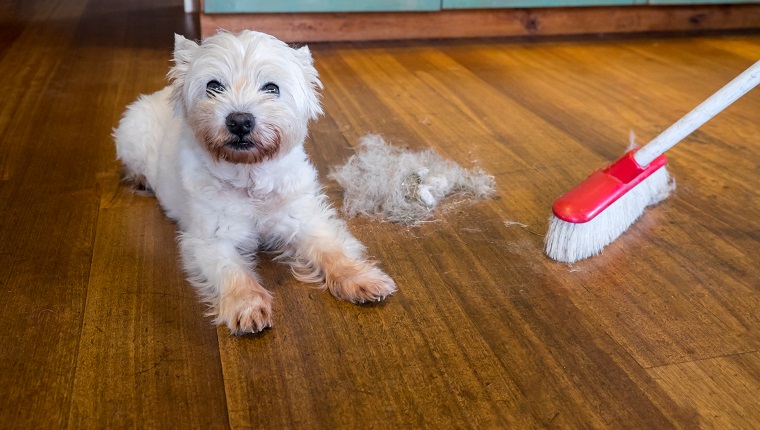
(569, 242)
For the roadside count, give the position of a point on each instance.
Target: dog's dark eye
(271, 88)
(214, 87)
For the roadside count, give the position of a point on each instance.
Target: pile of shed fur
(402, 186)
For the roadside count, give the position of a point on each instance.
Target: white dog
(222, 149)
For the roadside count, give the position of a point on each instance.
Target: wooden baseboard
(320, 27)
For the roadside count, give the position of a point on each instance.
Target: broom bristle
(570, 242)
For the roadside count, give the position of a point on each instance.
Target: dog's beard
(262, 143)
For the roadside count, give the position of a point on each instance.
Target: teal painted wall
(470, 4)
(273, 6)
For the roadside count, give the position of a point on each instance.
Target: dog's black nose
(240, 124)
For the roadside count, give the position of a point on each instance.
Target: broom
(597, 211)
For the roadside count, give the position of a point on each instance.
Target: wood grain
(660, 331)
(462, 23)
(147, 356)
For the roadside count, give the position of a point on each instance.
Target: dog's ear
(314, 107)
(304, 56)
(184, 50)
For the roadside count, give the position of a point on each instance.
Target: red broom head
(602, 188)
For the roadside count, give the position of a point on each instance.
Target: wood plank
(746, 48)
(45, 248)
(147, 356)
(46, 233)
(466, 23)
(31, 56)
(723, 390)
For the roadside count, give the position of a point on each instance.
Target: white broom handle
(699, 115)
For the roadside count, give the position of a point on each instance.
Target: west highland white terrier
(222, 148)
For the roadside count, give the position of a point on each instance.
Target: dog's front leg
(352, 279)
(323, 250)
(226, 282)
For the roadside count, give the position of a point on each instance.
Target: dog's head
(246, 96)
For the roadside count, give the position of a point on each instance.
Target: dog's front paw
(360, 283)
(246, 311)
(247, 315)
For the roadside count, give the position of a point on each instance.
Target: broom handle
(699, 115)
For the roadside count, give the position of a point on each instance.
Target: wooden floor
(100, 329)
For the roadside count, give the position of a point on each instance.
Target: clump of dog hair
(402, 186)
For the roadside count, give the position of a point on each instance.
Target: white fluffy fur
(227, 209)
(400, 185)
